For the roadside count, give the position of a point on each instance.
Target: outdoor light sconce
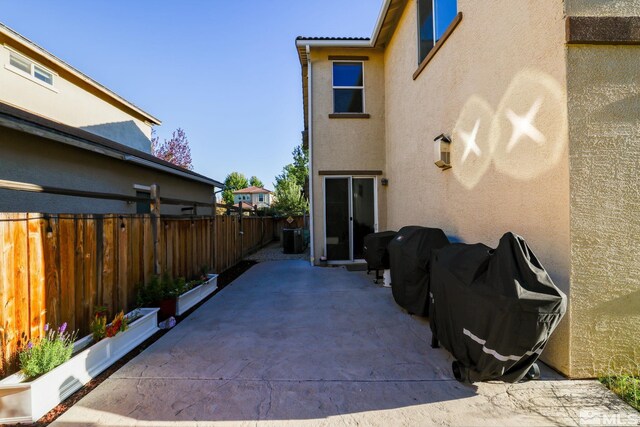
(384, 182)
(442, 151)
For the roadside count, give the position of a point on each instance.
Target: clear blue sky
(225, 71)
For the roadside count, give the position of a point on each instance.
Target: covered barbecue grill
(375, 251)
(410, 255)
(494, 310)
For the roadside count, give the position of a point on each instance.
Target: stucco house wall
(340, 144)
(70, 100)
(60, 165)
(604, 134)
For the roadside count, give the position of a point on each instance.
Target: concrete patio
(288, 344)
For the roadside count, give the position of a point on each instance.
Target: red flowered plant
(100, 328)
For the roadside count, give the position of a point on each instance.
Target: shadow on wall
(524, 137)
(126, 133)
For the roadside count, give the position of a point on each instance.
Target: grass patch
(625, 386)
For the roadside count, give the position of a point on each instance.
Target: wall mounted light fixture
(442, 151)
(384, 181)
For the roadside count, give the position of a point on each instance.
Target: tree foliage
(298, 170)
(233, 182)
(290, 184)
(254, 181)
(289, 198)
(175, 150)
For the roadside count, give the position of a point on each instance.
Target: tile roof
(252, 190)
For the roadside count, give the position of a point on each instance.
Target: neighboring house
(61, 129)
(35, 80)
(254, 196)
(540, 99)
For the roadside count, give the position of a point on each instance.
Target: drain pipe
(310, 138)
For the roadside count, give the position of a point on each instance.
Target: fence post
(241, 232)
(155, 226)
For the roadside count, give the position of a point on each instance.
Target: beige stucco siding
(495, 66)
(31, 159)
(604, 102)
(346, 144)
(67, 103)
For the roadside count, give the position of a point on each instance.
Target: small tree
(255, 182)
(233, 182)
(175, 150)
(298, 170)
(289, 198)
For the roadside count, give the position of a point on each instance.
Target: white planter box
(197, 294)
(28, 401)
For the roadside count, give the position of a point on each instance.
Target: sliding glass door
(350, 214)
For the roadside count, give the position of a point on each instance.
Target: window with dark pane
(434, 17)
(348, 87)
(143, 207)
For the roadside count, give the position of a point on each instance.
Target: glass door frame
(350, 213)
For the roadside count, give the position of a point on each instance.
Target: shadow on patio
(287, 341)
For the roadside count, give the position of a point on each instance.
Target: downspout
(310, 137)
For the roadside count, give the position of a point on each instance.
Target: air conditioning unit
(442, 151)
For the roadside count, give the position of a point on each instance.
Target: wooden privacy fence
(57, 268)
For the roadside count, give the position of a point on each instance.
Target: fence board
(79, 276)
(67, 240)
(108, 261)
(90, 283)
(6, 286)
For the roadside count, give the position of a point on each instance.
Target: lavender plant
(47, 352)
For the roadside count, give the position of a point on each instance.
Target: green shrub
(160, 288)
(150, 294)
(48, 352)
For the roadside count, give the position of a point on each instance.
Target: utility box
(292, 241)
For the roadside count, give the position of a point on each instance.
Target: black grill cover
(410, 255)
(375, 249)
(493, 310)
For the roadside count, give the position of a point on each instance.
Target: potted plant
(32, 392)
(175, 297)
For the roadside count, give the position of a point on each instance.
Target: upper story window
(348, 87)
(261, 198)
(19, 62)
(434, 16)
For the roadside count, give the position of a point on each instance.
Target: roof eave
(382, 16)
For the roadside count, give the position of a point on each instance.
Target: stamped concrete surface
(289, 344)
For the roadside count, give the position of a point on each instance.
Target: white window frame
(334, 87)
(32, 69)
